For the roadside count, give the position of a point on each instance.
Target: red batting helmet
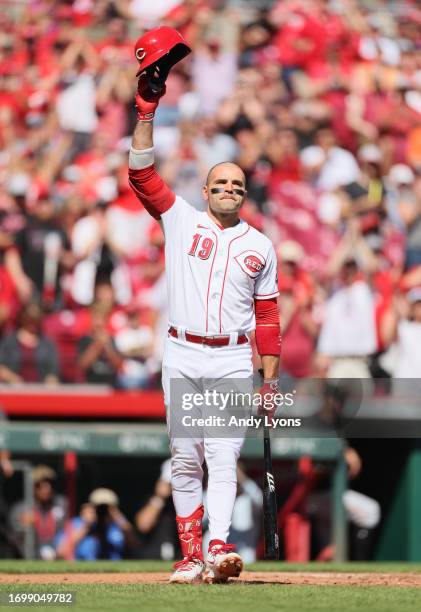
(162, 47)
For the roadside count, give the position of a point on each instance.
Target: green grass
(72, 567)
(235, 598)
(44, 567)
(217, 598)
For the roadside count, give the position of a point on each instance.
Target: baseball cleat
(222, 563)
(187, 571)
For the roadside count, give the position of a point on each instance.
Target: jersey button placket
(216, 285)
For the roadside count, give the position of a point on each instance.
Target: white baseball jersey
(213, 274)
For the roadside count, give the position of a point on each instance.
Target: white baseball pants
(192, 362)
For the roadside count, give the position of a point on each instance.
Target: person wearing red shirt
(299, 330)
(116, 46)
(8, 297)
(282, 151)
(300, 41)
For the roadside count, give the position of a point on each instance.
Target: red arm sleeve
(151, 190)
(268, 331)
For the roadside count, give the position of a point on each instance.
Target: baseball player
(222, 284)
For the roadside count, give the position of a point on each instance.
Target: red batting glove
(267, 405)
(146, 101)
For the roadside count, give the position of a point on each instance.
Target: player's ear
(205, 192)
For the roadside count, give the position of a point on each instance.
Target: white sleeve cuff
(141, 158)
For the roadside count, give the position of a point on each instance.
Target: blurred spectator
(384, 275)
(135, 343)
(98, 356)
(404, 329)
(88, 245)
(408, 337)
(104, 295)
(243, 110)
(184, 170)
(40, 246)
(399, 183)
(299, 329)
(348, 332)
(8, 297)
(213, 147)
(150, 14)
(27, 355)
(363, 513)
(65, 328)
(405, 189)
(46, 517)
(255, 40)
(155, 520)
(116, 46)
(100, 531)
(213, 64)
(76, 102)
(283, 153)
(370, 158)
(337, 167)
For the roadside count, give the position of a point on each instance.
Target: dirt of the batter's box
(306, 578)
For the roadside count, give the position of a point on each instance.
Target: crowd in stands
(319, 101)
(49, 525)
(100, 529)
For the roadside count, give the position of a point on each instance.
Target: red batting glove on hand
(146, 101)
(267, 406)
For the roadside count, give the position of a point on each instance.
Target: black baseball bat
(270, 518)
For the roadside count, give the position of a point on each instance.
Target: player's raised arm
(157, 51)
(145, 181)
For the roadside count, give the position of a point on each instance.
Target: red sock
(190, 534)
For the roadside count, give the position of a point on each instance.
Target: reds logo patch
(251, 262)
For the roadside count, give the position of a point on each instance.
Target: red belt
(208, 340)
